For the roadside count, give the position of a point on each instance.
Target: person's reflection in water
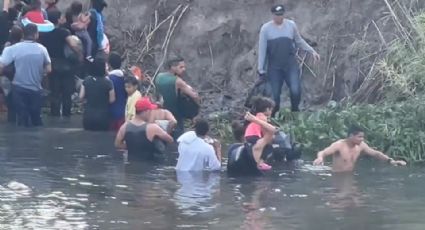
(254, 216)
(347, 194)
(197, 191)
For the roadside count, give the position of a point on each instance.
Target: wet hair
(261, 104)
(131, 80)
(54, 16)
(76, 7)
(16, 34)
(201, 127)
(98, 68)
(238, 131)
(30, 31)
(354, 130)
(172, 62)
(115, 61)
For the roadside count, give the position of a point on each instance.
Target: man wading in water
(278, 39)
(138, 136)
(346, 152)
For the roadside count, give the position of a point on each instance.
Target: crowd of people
(61, 45)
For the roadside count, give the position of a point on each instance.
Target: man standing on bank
(279, 40)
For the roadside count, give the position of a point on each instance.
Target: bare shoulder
(339, 143)
(364, 146)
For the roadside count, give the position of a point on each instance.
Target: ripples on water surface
(65, 178)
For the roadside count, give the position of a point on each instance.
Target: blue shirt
(117, 108)
(30, 59)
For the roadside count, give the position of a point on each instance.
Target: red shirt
(35, 16)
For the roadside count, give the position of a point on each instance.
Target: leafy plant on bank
(397, 129)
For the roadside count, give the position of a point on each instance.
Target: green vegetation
(395, 122)
(397, 129)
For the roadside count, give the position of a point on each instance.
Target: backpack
(261, 88)
(188, 108)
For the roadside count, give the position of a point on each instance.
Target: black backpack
(188, 108)
(261, 88)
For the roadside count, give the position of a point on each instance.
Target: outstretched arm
(379, 155)
(332, 149)
(264, 124)
(302, 44)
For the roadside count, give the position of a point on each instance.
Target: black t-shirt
(97, 94)
(4, 29)
(55, 42)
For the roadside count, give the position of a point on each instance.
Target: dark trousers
(27, 104)
(179, 129)
(291, 77)
(62, 86)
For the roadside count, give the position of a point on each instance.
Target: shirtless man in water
(345, 152)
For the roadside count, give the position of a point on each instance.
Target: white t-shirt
(195, 154)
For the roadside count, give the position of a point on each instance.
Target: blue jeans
(291, 77)
(27, 104)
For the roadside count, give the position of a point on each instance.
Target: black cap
(278, 9)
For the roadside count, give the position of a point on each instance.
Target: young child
(35, 13)
(116, 75)
(80, 22)
(133, 94)
(259, 132)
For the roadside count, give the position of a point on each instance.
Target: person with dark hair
(32, 62)
(170, 85)
(139, 137)
(198, 151)
(346, 152)
(133, 95)
(96, 26)
(116, 75)
(61, 80)
(79, 24)
(259, 132)
(278, 41)
(98, 92)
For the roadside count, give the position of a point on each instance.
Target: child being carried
(80, 23)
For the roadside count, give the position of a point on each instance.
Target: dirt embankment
(219, 38)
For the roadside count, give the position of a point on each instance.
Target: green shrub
(396, 129)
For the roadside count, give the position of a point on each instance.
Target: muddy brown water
(61, 177)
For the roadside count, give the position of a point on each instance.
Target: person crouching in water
(259, 132)
(163, 118)
(138, 136)
(198, 151)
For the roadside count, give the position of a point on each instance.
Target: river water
(61, 177)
